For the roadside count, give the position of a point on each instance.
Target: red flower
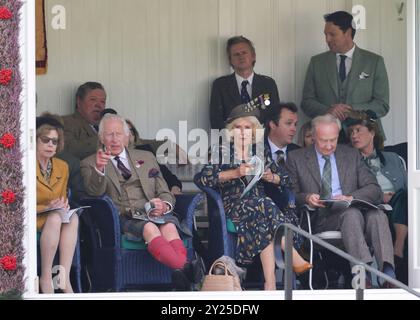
(8, 262)
(8, 196)
(5, 76)
(7, 140)
(5, 13)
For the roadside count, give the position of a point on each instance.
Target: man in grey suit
(81, 127)
(330, 171)
(241, 86)
(131, 178)
(346, 77)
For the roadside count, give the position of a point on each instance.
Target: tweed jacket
(143, 163)
(368, 87)
(355, 178)
(81, 140)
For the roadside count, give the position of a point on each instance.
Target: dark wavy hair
(341, 19)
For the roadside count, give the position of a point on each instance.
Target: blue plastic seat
(115, 262)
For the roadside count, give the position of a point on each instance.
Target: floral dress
(255, 216)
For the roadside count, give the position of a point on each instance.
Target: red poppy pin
(139, 163)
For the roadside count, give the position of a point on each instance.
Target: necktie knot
(342, 69)
(280, 157)
(244, 92)
(96, 127)
(326, 158)
(125, 172)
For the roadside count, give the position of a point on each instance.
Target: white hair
(111, 117)
(325, 119)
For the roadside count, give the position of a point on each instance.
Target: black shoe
(180, 280)
(401, 269)
(194, 271)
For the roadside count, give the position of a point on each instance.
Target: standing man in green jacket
(346, 77)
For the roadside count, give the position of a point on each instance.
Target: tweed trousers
(361, 233)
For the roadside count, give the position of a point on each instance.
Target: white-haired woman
(254, 215)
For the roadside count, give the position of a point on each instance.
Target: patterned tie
(125, 172)
(244, 92)
(280, 158)
(326, 191)
(96, 128)
(342, 71)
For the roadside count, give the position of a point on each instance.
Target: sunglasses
(46, 140)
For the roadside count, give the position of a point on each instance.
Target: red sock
(178, 246)
(163, 252)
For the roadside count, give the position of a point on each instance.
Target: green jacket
(368, 86)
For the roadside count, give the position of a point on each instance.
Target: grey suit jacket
(80, 139)
(225, 96)
(355, 178)
(368, 87)
(142, 162)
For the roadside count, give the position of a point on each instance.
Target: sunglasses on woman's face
(46, 140)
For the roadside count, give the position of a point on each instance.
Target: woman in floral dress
(254, 215)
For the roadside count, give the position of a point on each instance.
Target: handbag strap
(220, 264)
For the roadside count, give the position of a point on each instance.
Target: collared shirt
(335, 180)
(239, 81)
(274, 148)
(349, 60)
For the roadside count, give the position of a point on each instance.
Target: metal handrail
(288, 281)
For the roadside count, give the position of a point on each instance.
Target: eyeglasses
(46, 140)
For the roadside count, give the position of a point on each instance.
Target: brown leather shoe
(302, 268)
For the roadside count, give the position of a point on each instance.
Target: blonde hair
(256, 125)
(45, 129)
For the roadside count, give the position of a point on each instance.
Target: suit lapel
(56, 175)
(313, 166)
(141, 170)
(356, 69)
(111, 173)
(342, 165)
(332, 72)
(233, 89)
(85, 125)
(256, 86)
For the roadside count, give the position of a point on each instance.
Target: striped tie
(125, 172)
(326, 191)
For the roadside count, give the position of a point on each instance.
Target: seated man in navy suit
(241, 86)
(280, 127)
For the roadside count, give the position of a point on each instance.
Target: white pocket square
(363, 75)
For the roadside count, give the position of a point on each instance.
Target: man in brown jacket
(131, 178)
(81, 127)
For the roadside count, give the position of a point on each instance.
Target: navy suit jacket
(280, 199)
(225, 96)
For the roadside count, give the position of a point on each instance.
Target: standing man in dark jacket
(241, 86)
